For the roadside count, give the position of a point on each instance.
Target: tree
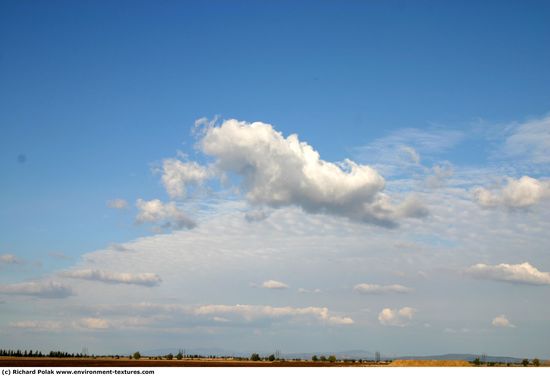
(332, 359)
(255, 357)
(271, 358)
(170, 356)
(477, 362)
(536, 362)
(137, 355)
(525, 362)
(323, 358)
(314, 358)
(179, 356)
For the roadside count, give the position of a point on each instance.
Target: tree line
(39, 354)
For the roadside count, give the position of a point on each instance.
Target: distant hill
(350, 354)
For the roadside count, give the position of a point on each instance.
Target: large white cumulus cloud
(279, 171)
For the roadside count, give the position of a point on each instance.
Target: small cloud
(519, 193)
(143, 279)
(220, 319)
(40, 289)
(440, 173)
(93, 323)
(365, 288)
(524, 273)
(178, 176)
(395, 317)
(274, 285)
(502, 322)
(412, 154)
(8, 258)
(169, 215)
(117, 203)
(302, 290)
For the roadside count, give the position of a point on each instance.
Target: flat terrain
(110, 362)
(430, 363)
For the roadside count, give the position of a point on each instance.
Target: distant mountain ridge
(350, 354)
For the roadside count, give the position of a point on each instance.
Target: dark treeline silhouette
(39, 354)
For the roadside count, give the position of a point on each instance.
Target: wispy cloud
(40, 289)
(8, 258)
(515, 273)
(366, 288)
(143, 279)
(117, 203)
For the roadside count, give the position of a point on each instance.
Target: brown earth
(430, 363)
(110, 362)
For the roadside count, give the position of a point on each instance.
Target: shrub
(255, 357)
(137, 355)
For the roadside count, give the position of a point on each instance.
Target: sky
(313, 176)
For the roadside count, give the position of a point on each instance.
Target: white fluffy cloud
(502, 322)
(41, 289)
(279, 171)
(275, 285)
(396, 317)
(117, 203)
(144, 279)
(177, 176)
(366, 288)
(516, 273)
(517, 193)
(168, 215)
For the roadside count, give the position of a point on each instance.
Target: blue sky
(447, 101)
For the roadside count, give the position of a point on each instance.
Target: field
(430, 363)
(110, 362)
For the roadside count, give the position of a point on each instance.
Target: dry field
(430, 363)
(110, 362)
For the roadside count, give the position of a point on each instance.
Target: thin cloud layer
(516, 273)
(278, 171)
(143, 279)
(40, 289)
(517, 193)
(255, 312)
(396, 317)
(366, 288)
(168, 215)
